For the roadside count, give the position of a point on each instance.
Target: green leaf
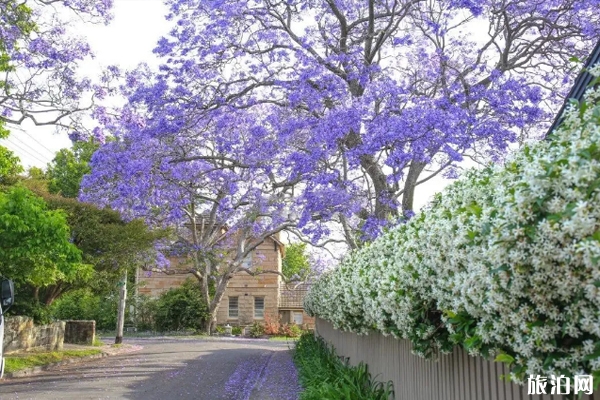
(500, 269)
(486, 228)
(450, 314)
(596, 375)
(504, 358)
(593, 356)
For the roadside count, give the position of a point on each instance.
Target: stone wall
(246, 287)
(80, 332)
(20, 334)
(154, 284)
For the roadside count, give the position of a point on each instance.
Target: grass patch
(323, 375)
(98, 342)
(18, 362)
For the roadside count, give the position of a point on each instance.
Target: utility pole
(121, 309)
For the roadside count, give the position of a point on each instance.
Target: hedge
(505, 262)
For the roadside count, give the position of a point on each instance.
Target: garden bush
(220, 330)
(504, 262)
(257, 330)
(145, 312)
(175, 310)
(271, 325)
(323, 375)
(236, 330)
(181, 308)
(290, 330)
(82, 304)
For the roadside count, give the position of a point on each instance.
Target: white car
(7, 298)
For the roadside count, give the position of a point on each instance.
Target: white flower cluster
(506, 260)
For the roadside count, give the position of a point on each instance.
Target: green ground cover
(19, 362)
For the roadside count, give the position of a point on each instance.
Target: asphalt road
(167, 368)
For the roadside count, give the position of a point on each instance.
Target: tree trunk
(408, 197)
(121, 309)
(213, 306)
(207, 325)
(385, 206)
(136, 295)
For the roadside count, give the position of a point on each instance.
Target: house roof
(579, 87)
(279, 243)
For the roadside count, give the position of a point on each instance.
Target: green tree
(296, 261)
(10, 165)
(107, 242)
(68, 168)
(35, 245)
(36, 173)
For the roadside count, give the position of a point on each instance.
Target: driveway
(171, 368)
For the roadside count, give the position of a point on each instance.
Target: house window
(233, 307)
(259, 307)
(298, 318)
(247, 261)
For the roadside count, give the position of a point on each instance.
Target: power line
(26, 152)
(27, 145)
(34, 139)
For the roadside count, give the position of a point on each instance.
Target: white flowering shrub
(506, 260)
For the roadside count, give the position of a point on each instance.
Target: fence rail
(455, 376)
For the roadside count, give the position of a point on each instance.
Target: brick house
(247, 298)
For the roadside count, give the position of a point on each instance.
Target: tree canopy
(68, 167)
(9, 164)
(305, 116)
(362, 101)
(209, 185)
(35, 242)
(39, 56)
(296, 261)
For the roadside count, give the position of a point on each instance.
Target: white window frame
(262, 314)
(296, 313)
(237, 307)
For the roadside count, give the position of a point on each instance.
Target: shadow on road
(211, 370)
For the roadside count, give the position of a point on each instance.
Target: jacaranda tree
(275, 115)
(39, 55)
(213, 183)
(372, 98)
